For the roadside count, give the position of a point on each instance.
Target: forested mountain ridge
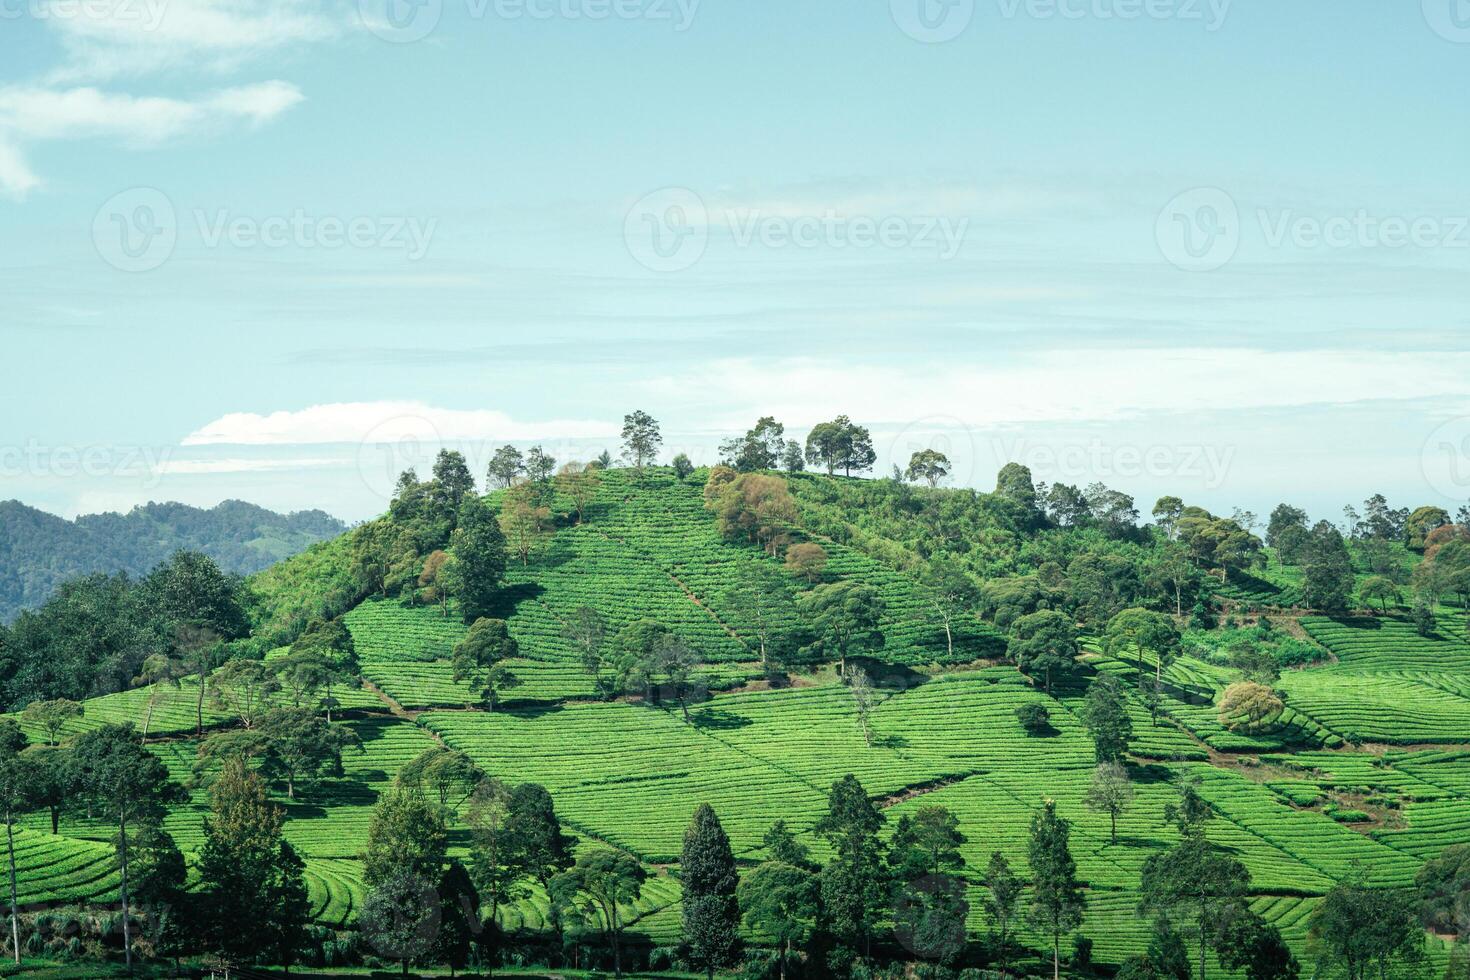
(40, 550)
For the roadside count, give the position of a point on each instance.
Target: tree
(452, 481)
(1248, 705)
(252, 899)
(779, 899)
(1003, 903)
(159, 876)
(190, 590)
(781, 845)
(449, 774)
(535, 837)
(198, 648)
(1044, 643)
(1167, 512)
(1146, 633)
(539, 465)
(496, 869)
(1110, 792)
(1423, 522)
(1382, 588)
(929, 465)
(580, 482)
(926, 843)
(329, 645)
(949, 590)
(1057, 901)
(19, 785)
(505, 466)
(864, 698)
(845, 618)
(1249, 943)
(1327, 570)
(586, 632)
(243, 688)
(405, 833)
(758, 449)
(1197, 883)
(401, 915)
(600, 882)
(840, 443)
(793, 460)
(852, 883)
(159, 671)
(757, 507)
(1105, 714)
(52, 716)
(301, 747)
(683, 466)
(1358, 928)
(480, 658)
(1033, 717)
(459, 918)
(764, 612)
(524, 523)
(641, 439)
(478, 547)
(1283, 518)
(126, 784)
(436, 580)
(707, 873)
(1444, 892)
(806, 560)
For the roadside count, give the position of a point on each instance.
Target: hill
(40, 550)
(1367, 768)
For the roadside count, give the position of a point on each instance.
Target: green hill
(39, 550)
(1296, 802)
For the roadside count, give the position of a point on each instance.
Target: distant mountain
(39, 550)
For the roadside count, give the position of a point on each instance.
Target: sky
(277, 250)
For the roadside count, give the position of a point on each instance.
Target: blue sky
(273, 249)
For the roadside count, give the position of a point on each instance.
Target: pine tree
(707, 870)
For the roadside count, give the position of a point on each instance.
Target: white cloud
(30, 114)
(215, 467)
(385, 422)
(106, 38)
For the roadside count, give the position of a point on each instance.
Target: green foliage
(709, 910)
(1044, 643)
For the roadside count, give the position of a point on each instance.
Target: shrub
(1034, 717)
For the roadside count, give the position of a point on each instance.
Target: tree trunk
(148, 717)
(329, 698)
(1056, 956)
(948, 637)
(55, 820)
(14, 904)
(122, 836)
(199, 705)
(785, 955)
(1203, 946)
(1114, 815)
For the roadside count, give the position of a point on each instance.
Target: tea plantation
(1366, 770)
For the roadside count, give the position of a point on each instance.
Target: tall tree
(1194, 881)
(1105, 715)
(1057, 901)
(1327, 570)
(600, 883)
(539, 464)
(580, 482)
(19, 784)
(52, 717)
(126, 784)
(497, 869)
(452, 481)
(929, 465)
(405, 832)
(536, 839)
(641, 439)
(505, 466)
(1044, 643)
(950, 591)
(1003, 903)
(841, 444)
(478, 547)
(845, 617)
(1367, 931)
(707, 874)
(779, 900)
(401, 916)
(524, 521)
(758, 449)
(852, 883)
(158, 673)
(1110, 792)
(479, 659)
(252, 899)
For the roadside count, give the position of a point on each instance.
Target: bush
(1034, 717)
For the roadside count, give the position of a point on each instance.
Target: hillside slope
(39, 550)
